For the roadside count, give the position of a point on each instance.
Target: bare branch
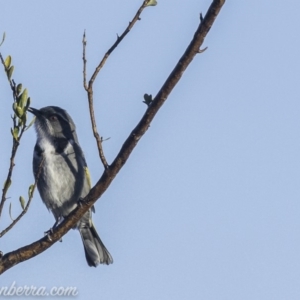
(118, 41)
(15, 147)
(12, 258)
(84, 62)
(89, 89)
(94, 128)
(27, 205)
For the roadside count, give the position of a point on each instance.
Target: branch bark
(12, 258)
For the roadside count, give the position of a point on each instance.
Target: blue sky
(207, 206)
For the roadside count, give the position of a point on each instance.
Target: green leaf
(15, 133)
(27, 103)
(30, 190)
(3, 38)
(10, 212)
(20, 122)
(10, 72)
(22, 202)
(14, 107)
(7, 62)
(19, 111)
(24, 118)
(152, 3)
(23, 99)
(19, 88)
(7, 184)
(30, 124)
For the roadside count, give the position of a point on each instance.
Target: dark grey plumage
(63, 181)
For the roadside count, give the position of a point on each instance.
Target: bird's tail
(95, 251)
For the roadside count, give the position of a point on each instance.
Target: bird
(60, 168)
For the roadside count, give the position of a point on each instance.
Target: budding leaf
(7, 184)
(152, 3)
(19, 111)
(30, 124)
(10, 212)
(16, 130)
(24, 118)
(20, 122)
(30, 190)
(10, 72)
(22, 202)
(7, 62)
(27, 103)
(23, 99)
(15, 105)
(19, 88)
(15, 133)
(148, 99)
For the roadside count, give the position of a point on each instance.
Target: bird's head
(53, 122)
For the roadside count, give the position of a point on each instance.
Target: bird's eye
(53, 118)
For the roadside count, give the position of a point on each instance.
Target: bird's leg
(50, 231)
(81, 201)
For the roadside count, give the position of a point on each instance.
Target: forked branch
(89, 87)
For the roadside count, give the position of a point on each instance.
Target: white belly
(58, 181)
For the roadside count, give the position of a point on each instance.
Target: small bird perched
(63, 179)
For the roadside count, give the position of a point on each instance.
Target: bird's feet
(81, 201)
(49, 232)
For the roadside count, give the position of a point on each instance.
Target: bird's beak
(34, 111)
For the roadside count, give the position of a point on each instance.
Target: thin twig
(84, 62)
(8, 178)
(4, 231)
(89, 89)
(95, 131)
(118, 41)
(15, 147)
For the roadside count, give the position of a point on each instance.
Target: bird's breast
(59, 176)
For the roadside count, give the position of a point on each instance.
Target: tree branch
(89, 88)
(118, 41)
(16, 139)
(4, 231)
(12, 258)
(84, 62)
